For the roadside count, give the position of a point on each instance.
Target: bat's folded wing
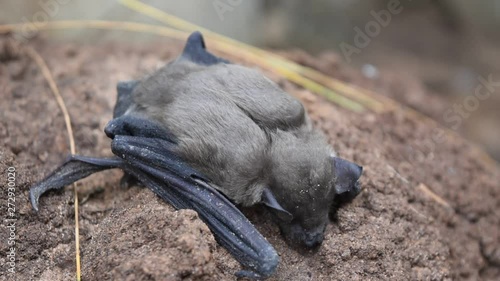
(154, 163)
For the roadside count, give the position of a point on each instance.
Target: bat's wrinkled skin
(201, 130)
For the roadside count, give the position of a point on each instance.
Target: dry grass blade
(100, 24)
(350, 97)
(67, 120)
(353, 98)
(388, 104)
(218, 45)
(434, 196)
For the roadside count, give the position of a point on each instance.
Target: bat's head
(307, 182)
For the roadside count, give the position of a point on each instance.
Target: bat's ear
(195, 51)
(347, 175)
(270, 201)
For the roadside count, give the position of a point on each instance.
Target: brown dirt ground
(392, 231)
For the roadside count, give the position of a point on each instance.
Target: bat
(205, 134)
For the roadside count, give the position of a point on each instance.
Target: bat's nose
(313, 240)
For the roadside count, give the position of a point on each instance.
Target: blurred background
(439, 57)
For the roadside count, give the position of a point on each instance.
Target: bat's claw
(34, 196)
